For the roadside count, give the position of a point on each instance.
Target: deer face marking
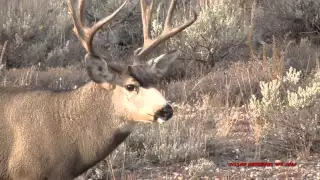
(144, 103)
(133, 94)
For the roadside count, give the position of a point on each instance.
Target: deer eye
(131, 87)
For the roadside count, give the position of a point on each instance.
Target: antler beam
(168, 30)
(84, 33)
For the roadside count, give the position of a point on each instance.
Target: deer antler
(168, 30)
(84, 33)
(2, 54)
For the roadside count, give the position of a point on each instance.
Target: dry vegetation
(246, 87)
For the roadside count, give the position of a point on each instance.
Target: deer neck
(94, 127)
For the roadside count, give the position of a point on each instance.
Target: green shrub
(289, 110)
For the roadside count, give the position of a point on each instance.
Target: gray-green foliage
(297, 97)
(303, 97)
(217, 24)
(34, 19)
(274, 17)
(34, 27)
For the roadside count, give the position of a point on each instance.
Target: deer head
(132, 85)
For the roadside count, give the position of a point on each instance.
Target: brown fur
(58, 135)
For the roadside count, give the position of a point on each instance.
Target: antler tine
(80, 12)
(146, 14)
(169, 16)
(168, 31)
(83, 33)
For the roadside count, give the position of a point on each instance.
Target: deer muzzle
(164, 114)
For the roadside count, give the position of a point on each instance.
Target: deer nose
(164, 113)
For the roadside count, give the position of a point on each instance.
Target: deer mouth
(163, 114)
(160, 120)
(157, 119)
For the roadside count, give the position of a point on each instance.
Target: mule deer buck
(59, 135)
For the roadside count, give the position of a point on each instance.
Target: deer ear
(160, 65)
(98, 69)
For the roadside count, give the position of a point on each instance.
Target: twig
(3, 51)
